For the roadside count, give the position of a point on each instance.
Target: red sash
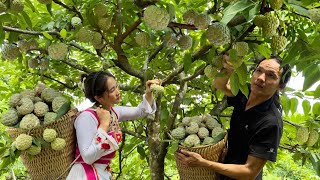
(89, 169)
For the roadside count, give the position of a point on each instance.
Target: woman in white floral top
(97, 129)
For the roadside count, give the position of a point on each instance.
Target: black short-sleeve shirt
(255, 132)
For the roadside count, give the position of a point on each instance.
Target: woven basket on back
(50, 164)
(209, 152)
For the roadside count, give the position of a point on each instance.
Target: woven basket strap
(71, 164)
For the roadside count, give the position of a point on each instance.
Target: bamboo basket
(212, 152)
(51, 164)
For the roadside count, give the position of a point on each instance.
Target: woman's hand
(188, 158)
(148, 91)
(104, 117)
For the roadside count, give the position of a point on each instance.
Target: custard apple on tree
(45, 1)
(33, 63)
(26, 45)
(58, 51)
(218, 34)
(10, 118)
(242, 48)
(85, 35)
(97, 41)
(259, 20)
(29, 121)
(314, 15)
(105, 23)
(189, 16)
(100, 10)
(49, 135)
(143, 39)
(76, 22)
(58, 144)
(23, 142)
(16, 6)
(185, 42)
(210, 71)
(10, 52)
(202, 21)
(313, 138)
(276, 4)
(40, 109)
(170, 40)
(156, 89)
(156, 18)
(44, 64)
(302, 134)
(278, 43)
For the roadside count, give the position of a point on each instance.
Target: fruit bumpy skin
(192, 141)
(49, 117)
(58, 102)
(185, 42)
(278, 43)
(156, 89)
(314, 15)
(76, 22)
(192, 128)
(14, 100)
(178, 133)
(23, 142)
(242, 48)
(29, 121)
(202, 21)
(58, 144)
(218, 34)
(203, 132)
(48, 94)
(10, 52)
(105, 23)
(100, 10)
(58, 51)
(259, 20)
(40, 109)
(16, 6)
(302, 134)
(45, 1)
(313, 138)
(156, 18)
(10, 118)
(189, 16)
(34, 150)
(49, 135)
(33, 63)
(25, 106)
(143, 39)
(170, 40)
(85, 35)
(276, 4)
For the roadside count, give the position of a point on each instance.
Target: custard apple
(202, 21)
(210, 71)
(97, 41)
(259, 20)
(203, 132)
(23, 142)
(267, 32)
(14, 100)
(276, 4)
(49, 135)
(58, 51)
(314, 15)
(143, 39)
(29, 121)
(156, 18)
(85, 35)
(156, 89)
(44, 64)
(212, 123)
(313, 138)
(49, 117)
(48, 94)
(33, 63)
(28, 93)
(192, 128)
(242, 48)
(10, 118)
(45, 1)
(58, 144)
(40, 109)
(25, 106)
(39, 88)
(218, 34)
(100, 10)
(16, 6)
(58, 102)
(37, 99)
(191, 141)
(76, 22)
(178, 133)
(189, 16)
(217, 134)
(26, 45)
(34, 150)
(302, 134)
(185, 42)
(10, 52)
(170, 40)
(185, 121)
(217, 62)
(278, 43)
(105, 23)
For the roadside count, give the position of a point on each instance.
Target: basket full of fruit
(203, 135)
(40, 122)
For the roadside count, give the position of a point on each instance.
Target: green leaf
(187, 61)
(63, 110)
(244, 89)
(141, 151)
(233, 9)
(27, 19)
(63, 33)
(316, 108)
(285, 104)
(47, 35)
(293, 105)
(233, 55)
(264, 50)
(49, 8)
(30, 5)
(2, 34)
(298, 9)
(242, 74)
(306, 106)
(6, 161)
(174, 146)
(312, 75)
(317, 92)
(234, 83)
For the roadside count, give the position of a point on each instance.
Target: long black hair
(95, 84)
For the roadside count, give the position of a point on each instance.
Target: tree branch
(73, 9)
(134, 134)
(129, 30)
(181, 26)
(11, 29)
(76, 66)
(64, 84)
(196, 74)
